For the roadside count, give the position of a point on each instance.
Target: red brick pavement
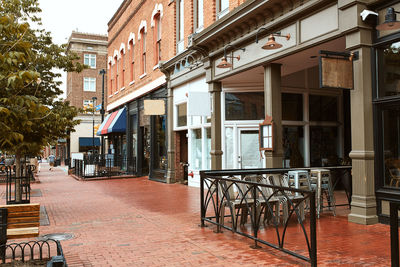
(137, 222)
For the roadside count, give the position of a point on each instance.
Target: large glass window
(293, 146)
(229, 148)
(324, 146)
(388, 72)
(199, 14)
(182, 115)
(90, 60)
(223, 8)
(89, 84)
(391, 145)
(157, 38)
(160, 153)
(180, 27)
(323, 108)
(208, 149)
(292, 107)
(196, 151)
(244, 106)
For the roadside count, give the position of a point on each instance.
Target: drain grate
(57, 236)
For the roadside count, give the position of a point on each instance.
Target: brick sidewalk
(137, 222)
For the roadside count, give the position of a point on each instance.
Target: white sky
(61, 17)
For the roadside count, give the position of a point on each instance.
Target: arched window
(143, 51)
(122, 65)
(157, 38)
(131, 53)
(110, 76)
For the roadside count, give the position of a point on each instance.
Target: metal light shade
(391, 22)
(271, 44)
(224, 64)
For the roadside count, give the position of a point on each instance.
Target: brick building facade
(83, 86)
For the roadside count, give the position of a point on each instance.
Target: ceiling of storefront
(302, 60)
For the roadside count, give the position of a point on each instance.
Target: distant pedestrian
(52, 158)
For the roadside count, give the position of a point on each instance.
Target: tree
(31, 114)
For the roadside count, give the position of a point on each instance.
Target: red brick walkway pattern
(137, 222)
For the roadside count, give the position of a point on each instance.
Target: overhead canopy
(88, 141)
(114, 123)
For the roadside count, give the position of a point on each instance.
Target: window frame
(90, 81)
(157, 38)
(142, 51)
(180, 27)
(89, 57)
(197, 14)
(131, 61)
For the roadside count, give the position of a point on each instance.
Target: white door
(249, 156)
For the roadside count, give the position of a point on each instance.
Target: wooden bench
(23, 220)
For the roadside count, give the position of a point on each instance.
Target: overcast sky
(61, 17)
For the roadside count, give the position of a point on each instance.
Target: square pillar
(363, 204)
(171, 136)
(273, 107)
(215, 89)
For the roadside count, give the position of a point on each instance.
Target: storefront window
(160, 153)
(244, 106)
(292, 107)
(323, 146)
(229, 148)
(323, 108)
(388, 58)
(208, 149)
(196, 150)
(293, 146)
(134, 142)
(182, 115)
(391, 145)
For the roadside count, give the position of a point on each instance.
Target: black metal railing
(43, 250)
(259, 197)
(18, 189)
(100, 166)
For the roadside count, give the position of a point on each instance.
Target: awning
(114, 123)
(102, 124)
(88, 141)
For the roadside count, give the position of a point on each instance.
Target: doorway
(181, 156)
(249, 155)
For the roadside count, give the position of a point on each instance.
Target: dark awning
(88, 141)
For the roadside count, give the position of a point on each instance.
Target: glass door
(249, 154)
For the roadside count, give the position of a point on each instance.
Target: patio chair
(321, 182)
(287, 196)
(233, 201)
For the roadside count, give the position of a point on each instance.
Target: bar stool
(320, 180)
(299, 179)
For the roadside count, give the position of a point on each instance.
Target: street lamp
(102, 72)
(94, 106)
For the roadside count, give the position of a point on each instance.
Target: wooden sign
(336, 73)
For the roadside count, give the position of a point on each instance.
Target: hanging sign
(336, 70)
(154, 107)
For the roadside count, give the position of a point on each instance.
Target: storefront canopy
(88, 141)
(114, 123)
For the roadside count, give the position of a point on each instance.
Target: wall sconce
(391, 22)
(272, 44)
(224, 62)
(266, 134)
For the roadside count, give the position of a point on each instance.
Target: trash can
(57, 162)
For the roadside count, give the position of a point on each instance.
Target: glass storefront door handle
(239, 160)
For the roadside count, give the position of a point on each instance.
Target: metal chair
(299, 179)
(320, 180)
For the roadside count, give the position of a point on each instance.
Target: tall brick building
(84, 86)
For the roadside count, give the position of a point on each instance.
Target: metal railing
(216, 198)
(18, 189)
(42, 250)
(100, 166)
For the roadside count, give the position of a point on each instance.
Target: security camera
(365, 13)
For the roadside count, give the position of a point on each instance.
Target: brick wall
(127, 20)
(81, 44)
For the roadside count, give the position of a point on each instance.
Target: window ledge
(143, 75)
(110, 95)
(156, 66)
(122, 89)
(132, 82)
(116, 92)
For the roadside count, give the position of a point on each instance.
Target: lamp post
(94, 106)
(102, 72)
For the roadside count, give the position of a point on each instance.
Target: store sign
(199, 104)
(154, 107)
(336, 70)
